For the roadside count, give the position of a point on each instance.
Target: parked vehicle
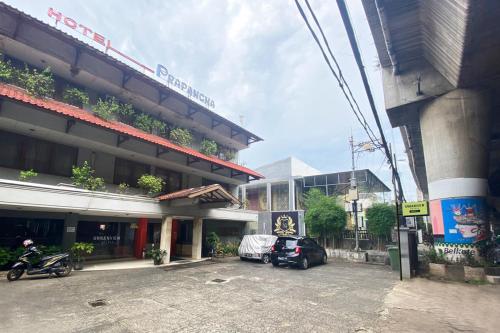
(257, 247)
(34, 263)
(297, 251)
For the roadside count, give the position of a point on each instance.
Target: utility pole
(353, 194)
(396, 202)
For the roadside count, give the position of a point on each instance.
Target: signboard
(464, 220)
(417, 208)
(103, 43)
(285, 223)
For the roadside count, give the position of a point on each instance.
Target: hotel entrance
(111, 240)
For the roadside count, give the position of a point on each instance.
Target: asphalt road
(337, 297)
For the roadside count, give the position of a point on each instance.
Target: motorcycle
(58, 264)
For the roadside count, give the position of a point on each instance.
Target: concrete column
(69, 232)
(197, 238)
(243, 190)
(291, 194)
(455, 135)
(166, 237)
(269, 197)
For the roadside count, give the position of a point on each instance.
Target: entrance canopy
(214, 195)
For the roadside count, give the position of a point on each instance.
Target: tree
(380, 219)
(324, 217)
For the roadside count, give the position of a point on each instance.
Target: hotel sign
(161, 74)
(417, 208)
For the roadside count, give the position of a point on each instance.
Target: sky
(259, 63)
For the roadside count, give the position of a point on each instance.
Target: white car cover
(256, 245)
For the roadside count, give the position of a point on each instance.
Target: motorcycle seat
(51, 256)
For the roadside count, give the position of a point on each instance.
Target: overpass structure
(441, 74)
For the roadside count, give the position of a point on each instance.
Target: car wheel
(324, 259)
(304, 264)
(275, 264)
(266, 259)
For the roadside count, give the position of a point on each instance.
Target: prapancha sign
(416, 208)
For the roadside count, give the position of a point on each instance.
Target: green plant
(79, 250)
(435, 257)
(213, 240)
(7, 71)
(380, 219)
(229, 154)
(84, 176)
(152, 185)
(158, 126)
(208, 147)
(157, 255)
(181, 136)
(5, 256)
(48, 250)
(123, 188)
(144, 122)
(107, 109)
(229, 248)
(470, 260)
(126, 113)
(40, 84)
(76, 97)
(26, 175)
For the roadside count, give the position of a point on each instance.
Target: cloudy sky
(259, 63)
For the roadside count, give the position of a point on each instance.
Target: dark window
(41, 231)
(185, 232)
(288, 243)
(173, 180)
(320, 180)
(129, 172)
(22, 152)
(309, 181)
(332, 178)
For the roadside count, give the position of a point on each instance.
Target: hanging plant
(107, 109)
(76, 97)
(208, 147)
(181, 136)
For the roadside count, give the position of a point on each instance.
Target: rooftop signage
(161, 74)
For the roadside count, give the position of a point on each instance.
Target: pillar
(140, 238)
(197, 238)
(69, 232)
(291, 194)
(269, 197)
(455, 136)
(166, 237)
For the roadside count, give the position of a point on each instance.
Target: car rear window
(288, 243)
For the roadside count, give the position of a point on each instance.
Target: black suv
(297, 251)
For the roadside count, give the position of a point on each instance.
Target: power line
(341, 82)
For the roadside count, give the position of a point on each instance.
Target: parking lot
(252, 298)
(234, 296)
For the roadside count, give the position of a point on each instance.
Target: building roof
(286, 168)
(20, 95)
(206, 194)
(20, 15)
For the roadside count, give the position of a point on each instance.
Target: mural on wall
(456, 252)
(436, 217)
(464, 220)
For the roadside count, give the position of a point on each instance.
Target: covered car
(257, 247)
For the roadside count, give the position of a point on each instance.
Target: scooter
(59, 264)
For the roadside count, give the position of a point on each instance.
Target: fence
(367, 241)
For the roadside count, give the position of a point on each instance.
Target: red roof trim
(21, 95)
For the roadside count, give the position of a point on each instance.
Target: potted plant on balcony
(78, 251)
(152, 185)
(157, 255)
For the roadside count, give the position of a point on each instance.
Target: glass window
(332, 178)
(257, 198)
(110, 239)
(129, 172)
(319, 180)
(309, 181)
(279, 197)
(9, 154)
(288, 243)
(173, 180)
(41, 231)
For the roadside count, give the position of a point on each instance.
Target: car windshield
(288, 243)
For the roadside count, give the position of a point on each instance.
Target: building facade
(47, 132)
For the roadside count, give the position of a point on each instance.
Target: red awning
(206, 194)
(20, 95)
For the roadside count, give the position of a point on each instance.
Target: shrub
(229, 155)
(26, 175)
(380, 219)
(123, 188)
(5, 256)
(76, 97)
(84, 176)
(181, 136)
(40, 84)
(107, 109)
(229, 248)
(158, 126)
(7, 71)
(213, 240)
(208, 147)
(152, 185)
(78, 250)
(144, 122)
(48, 250)
(126, 113)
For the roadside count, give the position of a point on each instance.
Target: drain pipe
(379, 4)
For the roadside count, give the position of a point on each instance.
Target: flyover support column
(455, 135)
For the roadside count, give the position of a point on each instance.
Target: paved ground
(337, 297)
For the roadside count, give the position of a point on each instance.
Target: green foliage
(436, 258)
(148, 124)
(152, 185)
(123, 188)
(208, 147)
(79, 250)
(107, 109)
(5, 256)
(229, 154)
(26, 175)
(181, 136)
(76, 97)
(126, 113)
(48, 250)
(380, 219)
(213, 239)
(8, 73)
(229, 248)
(157, 255)
(324, 217)
(84, 176)
(39, 84)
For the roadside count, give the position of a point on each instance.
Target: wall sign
(417, 208)
(105, 44)
(285, 223)
(464, 220)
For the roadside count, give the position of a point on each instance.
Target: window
(173, 180)
(129, 172)
(23, 152)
